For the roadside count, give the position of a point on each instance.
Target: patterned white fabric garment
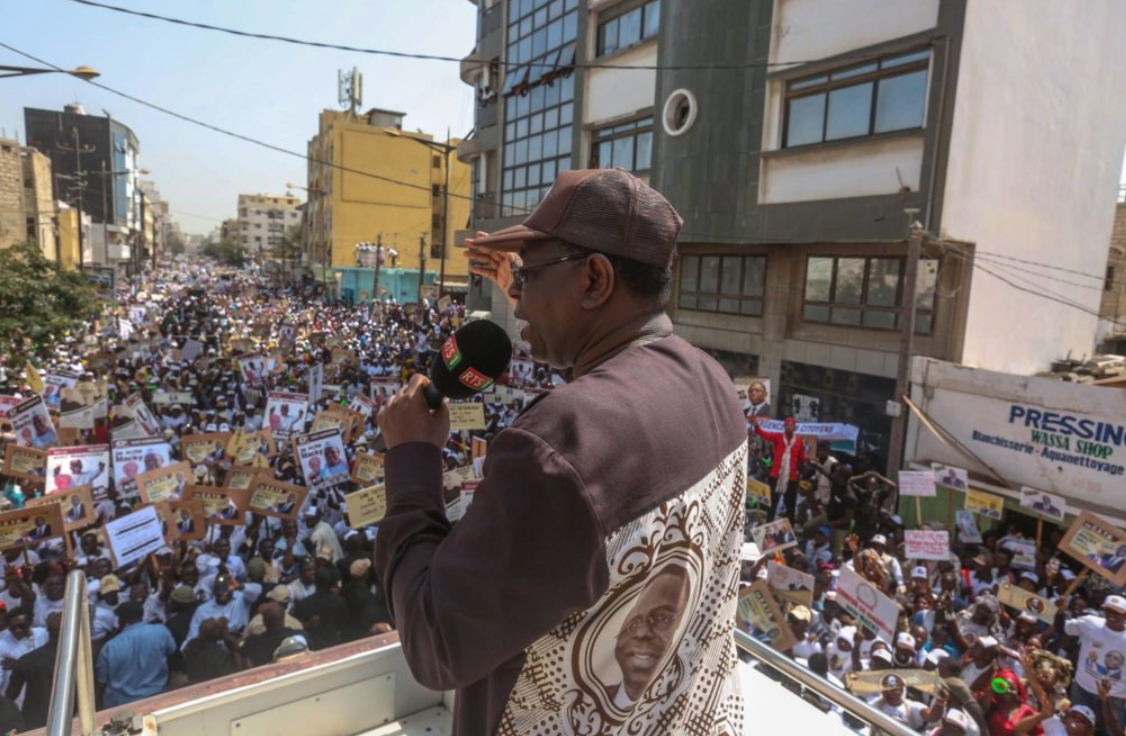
(656, 654)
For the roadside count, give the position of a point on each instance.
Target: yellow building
(68, 236)
(370, 181)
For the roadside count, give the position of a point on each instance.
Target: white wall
(806, 30)
(856, 170)
(614, 93)
(1035, 157)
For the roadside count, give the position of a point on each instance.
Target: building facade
(27, 208)
(263, 220)
(371, 183)
(799, 139)
(1112, 308)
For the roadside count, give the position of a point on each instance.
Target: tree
(39, 302)
(228, 252)
(289, 249)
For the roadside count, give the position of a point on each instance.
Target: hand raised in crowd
(1104, 689)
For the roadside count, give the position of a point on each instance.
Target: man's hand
(494, 265)
(407, 418)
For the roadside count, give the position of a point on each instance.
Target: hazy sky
(265, 89)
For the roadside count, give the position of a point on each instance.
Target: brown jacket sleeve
(529, 552)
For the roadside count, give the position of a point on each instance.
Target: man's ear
(599, 281)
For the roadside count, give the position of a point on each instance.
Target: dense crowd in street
(257, 587)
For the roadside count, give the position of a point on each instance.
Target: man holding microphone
(591, 587)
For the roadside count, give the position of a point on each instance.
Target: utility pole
(421, 271)
(78, 149)
(906, 344)
(375, 281)
(445, 215)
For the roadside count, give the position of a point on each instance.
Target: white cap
(1027, 616)
(1115, 603)
(882, 654)
(848, 633)
(905, 640)
(1084, 711)
(919, 572)
(1029, 575)
(879, 539)
(935, 656)
(987, 642)
(957, 718)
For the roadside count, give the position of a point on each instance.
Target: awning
(454, 283)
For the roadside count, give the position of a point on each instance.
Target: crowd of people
(259, 590)
(991, 638)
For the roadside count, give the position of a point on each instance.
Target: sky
(267, 90)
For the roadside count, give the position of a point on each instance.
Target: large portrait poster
(25, 463)
(270, 497)
(186, 519)
(133, 457)
(323, 461)
(164, 484)
(76, 507)
(331, 420)
(759, 609)
(223, 506)
(754, 393)
(86, 465)
(253, 367)
(241, 477)
(30, 526)
(367, 469)
(142, 415)
(204, 448)
(31, 422)
(244, 447)
(53, 385)
(285, 414)
(1098, 545)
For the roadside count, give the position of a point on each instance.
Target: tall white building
(263, 220)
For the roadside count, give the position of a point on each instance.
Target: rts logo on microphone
(474, 380)
(451, 356)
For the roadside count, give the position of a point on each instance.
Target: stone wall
(13, 220)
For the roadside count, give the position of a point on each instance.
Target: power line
(1099, 277)
(425, 57)
(254, 141)
(999, 262)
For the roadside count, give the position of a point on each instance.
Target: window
(629, 146)
(629, 28)
(436, 190)
(862, 100)
(437, 162)
(865, 292)
(728, 284)
(1109, 285)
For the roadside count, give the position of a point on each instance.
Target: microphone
(470, 361)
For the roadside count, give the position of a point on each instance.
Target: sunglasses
(520, 274)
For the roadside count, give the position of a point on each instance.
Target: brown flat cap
(606, 210)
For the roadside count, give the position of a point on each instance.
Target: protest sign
(222, 506)
(1024, 552)
(758, 608)
(26, 526)
(184, 519)
(269, 497)
(466, 416)
(774, 537)
(366, 506)
(985, 504)
(25, 463)
(173, 397)
(53, 385)
(867, 604)
(948, 476)
(919, 483)
(7, 403)
(74, 412)
(243, 447)
(384, 387)
(141, 414)
(750, 552)
(927, 545)
(367, 469)
(364, 405)
(191, 350)
(316, 381)
(76, 507)
(758, 491)
(323, 461)
(357, 419)
(842, 436)
(792, 587)
(1098, 545)
(204, 448)
(133, 537)
(754, 394)
(240, 478)
(164, 484)
(133, 457)
(86, 465)
(1043, 504)
(252, 366)
(870, 682)
(967, 527)
(468, 488)
(31, 422)
(1022, 600)
(285, 414)
(333, 421)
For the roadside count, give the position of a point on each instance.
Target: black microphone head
(471, 360)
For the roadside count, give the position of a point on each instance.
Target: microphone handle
(433, 400)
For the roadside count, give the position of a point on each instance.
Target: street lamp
(83, 72)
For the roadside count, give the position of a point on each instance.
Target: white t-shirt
(1102, 654)
(908, 711)
(824, 484)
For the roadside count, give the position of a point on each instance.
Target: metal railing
(843, 699)
(74, 663)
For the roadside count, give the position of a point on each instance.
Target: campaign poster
(323, 460)
(869, 606)
(204, 448)
(1024, 552)
(367, 469)
(466, 416)
(985, 504)
(244, 447)
(74, 411)
(240, 478)
(187, 521)
(165, 484)
(1017, 597)
(948, 476)
(183, 398)
(758, 609)
(332, 421)
(364, 405)
(1098, 545)
(919, 483)
(76, 507)
(968, 532)
(759, 491)
(30, 526)
(142, 415)
(316, 381)
(53, 385)
(222, 506)
(133, 537)
(927, 545)
(754, 394)
(356, 418)
(191, 350)
(1043, 504)
(384, 387)
(133, 457)
(465, 495)
(521, 371)
(85, 465)
(25, 463)
(285, 414)
(366, 506)
(792, 587)
(31, 422)
(269, 497)
(7, 403)
(252, 366)
(775, 536)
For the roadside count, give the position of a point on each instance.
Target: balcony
(470, 65)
